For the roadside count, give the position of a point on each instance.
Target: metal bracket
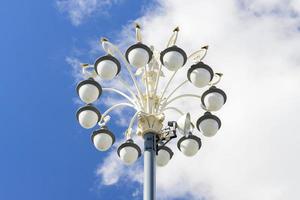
(167, 135)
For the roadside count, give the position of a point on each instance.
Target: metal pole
(149, 165)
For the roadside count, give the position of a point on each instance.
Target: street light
(164, 155)
(129, 152)
(107, 67)
(208, 124)
(103, 139)
(138, 55)
(173, 58)
(189, 145)
(88, 116)
(150, 105)
(89, 90)
(213, 98)
(200, 74)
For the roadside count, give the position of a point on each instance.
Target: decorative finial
(138, 35)
(205, 47)
(103, 39)
(137, 25)
(176, 29)
(84, 65)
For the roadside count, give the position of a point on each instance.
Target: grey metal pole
(149, 166)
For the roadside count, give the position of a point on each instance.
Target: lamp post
(150, 104)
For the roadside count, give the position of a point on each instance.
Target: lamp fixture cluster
(150, 105)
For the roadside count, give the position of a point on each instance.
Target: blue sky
(45, 154)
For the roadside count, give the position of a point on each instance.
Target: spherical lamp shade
(173, 58)
(129, 152)
(164, 156)
(88, 116)
(213, 99)
(208, 124)
(189, 145)
(138, 55)
(103, 139)
(107, 67)
(200, 74)
(89, 90)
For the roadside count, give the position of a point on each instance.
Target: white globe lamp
(213, 99)
(200, 74)
(208, 124)
(189, 145)
(107, 67)
(173, 58)
(103, 139)
(88, 116)
(89, 90)
(129, 152)
(164, 155)
(138, 55)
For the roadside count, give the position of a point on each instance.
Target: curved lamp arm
(112, 49)
(179, 97)
(131, 74)
(166, 87)
(171, 42)
(120, 93)
(114, 107)
(125, 84)
(168, 84)
(173, 108)
(147, 89)
(199, 55)
(157, 80)
(179, 86)
(129, 130)
(218, 76)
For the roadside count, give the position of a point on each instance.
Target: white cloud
(112, 170)
(79, 10)
(256, 45)
(76, 67)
